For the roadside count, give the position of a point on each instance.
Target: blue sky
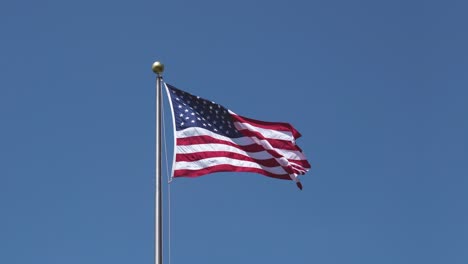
(378, 90)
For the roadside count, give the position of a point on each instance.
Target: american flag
(211, 138)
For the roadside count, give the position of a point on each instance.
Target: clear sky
(378, 90)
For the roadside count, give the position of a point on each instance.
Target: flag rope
(169, 181)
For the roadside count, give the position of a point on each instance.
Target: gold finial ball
(158, 67)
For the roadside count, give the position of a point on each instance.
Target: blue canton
(194, 111)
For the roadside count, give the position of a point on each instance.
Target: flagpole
(158, 68)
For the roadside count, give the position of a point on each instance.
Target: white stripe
(198, 131)
(242, 141)
(261, 155)
(210, 162)
(267, 133)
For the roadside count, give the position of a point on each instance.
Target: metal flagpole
(158, 68)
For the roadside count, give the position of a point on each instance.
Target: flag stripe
(215, 154)
(200, 149)
(279, 126)
(226, 168)
(188, 134)
(251, 150)
(266, 133)
(271, 162)
(280, 156)
(208, 162)
(275, 143)
(259, 139)
(279, 144)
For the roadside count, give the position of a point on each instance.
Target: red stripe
(227, 168)
(298, 168)
(302, 164)
(248, 148)
(254, 147)
(223, 154)
(273, 153)
(280, 126)
(277, 143)
(217, 154)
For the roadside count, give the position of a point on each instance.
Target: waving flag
(211, 138)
